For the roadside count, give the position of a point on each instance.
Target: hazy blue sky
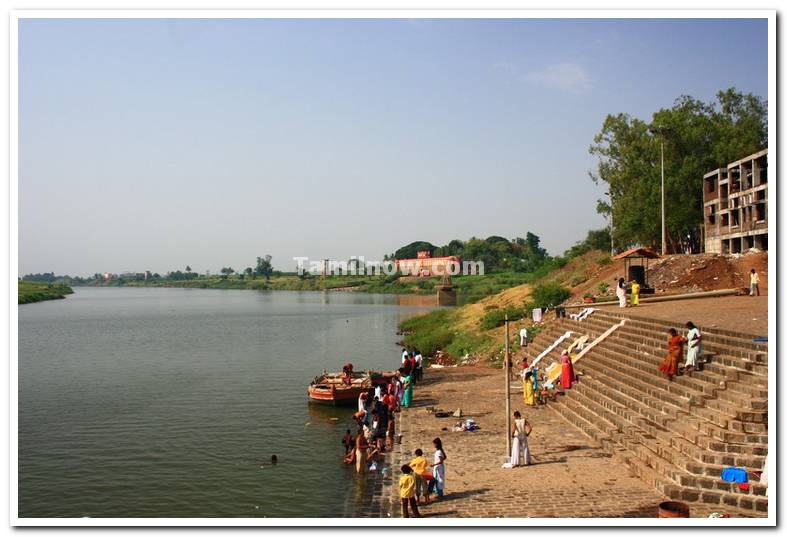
(152, 144)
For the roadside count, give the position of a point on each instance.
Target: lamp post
(660, 130)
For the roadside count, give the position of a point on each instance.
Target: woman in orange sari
(674, 354)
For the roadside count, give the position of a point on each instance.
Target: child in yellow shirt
(419, 465)
(407, 492)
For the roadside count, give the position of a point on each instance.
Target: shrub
(603, 287)
(549, 294)
(606, 260)
(495, 318)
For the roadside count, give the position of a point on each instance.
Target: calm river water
(141, 402)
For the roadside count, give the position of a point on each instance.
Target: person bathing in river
(361, 446)
(348, 441)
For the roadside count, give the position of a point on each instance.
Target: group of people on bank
(376, 434)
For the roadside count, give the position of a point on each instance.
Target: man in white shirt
(419, 370)
(523, 337)
(404, 356)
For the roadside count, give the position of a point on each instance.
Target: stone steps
(740, 341)
(677, 436)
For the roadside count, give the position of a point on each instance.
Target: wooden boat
(329, 388)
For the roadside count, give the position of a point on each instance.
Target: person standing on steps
(694, 344)
(669, 367)
(523, 337)
(754, 283)
(419, 366)
(621, 292)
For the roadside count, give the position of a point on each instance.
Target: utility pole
(663, 226)
(507, 369)
(660, 130)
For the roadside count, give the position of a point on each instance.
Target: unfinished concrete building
(735, 206)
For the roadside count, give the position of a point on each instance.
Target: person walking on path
(754, 283)
(520, 430)
(523, 337)
(621, 292)
(635, 293)
(694, 344)
(438, 467)
(669, 367)
(407, 492)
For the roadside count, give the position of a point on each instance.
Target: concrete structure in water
(735, 205)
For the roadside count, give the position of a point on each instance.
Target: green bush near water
(30, 292)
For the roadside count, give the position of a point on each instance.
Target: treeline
(502, 255)
(698, 137)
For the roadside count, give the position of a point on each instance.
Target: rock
(458, 413)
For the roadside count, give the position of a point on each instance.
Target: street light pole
(663, 226)
(507, 368)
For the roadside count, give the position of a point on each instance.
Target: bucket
(673, 510)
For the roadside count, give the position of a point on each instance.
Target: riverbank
(30, 292)
(571, 475)
(469, 288)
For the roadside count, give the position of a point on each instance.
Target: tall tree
(264, 267)
(698, 137)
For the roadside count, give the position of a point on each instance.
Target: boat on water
(339, 389)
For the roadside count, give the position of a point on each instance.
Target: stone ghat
(676, 436)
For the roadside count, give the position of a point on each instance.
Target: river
(143, 402)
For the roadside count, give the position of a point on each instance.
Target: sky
(152, 144)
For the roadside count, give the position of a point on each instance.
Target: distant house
(424, 265)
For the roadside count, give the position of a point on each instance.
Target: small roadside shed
(635, 265)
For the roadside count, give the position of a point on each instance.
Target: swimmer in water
(274, 459)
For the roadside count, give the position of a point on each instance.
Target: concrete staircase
(677, 436)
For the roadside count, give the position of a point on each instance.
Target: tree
(188, 268)
(698, 137)
(264, 267)
(248, 271)
(227, 271)
(411, 250)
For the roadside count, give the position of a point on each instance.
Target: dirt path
(748, 314)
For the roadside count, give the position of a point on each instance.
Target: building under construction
(735, 206)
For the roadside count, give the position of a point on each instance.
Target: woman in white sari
(520, 452)
(621, 292)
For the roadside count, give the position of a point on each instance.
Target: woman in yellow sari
(528, 392)
(634, 293)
